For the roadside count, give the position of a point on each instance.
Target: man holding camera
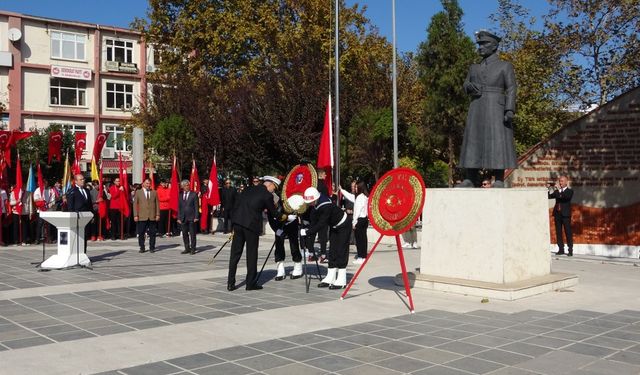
(562, 213)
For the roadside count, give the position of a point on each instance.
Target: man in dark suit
(247, 226)
(228, 197)
(146, 213)
(79, 200)
(188, 217)
(562, 213)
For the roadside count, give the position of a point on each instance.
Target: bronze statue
(488, 135)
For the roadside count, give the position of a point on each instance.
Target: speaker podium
(70, 227)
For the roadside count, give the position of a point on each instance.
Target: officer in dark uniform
(288, 229)
(247, 226)
(328, 214)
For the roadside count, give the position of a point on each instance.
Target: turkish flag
(213, 192)
(80, 144)
(14, 137)
(101, 139)
(55, 146)
(174, 189)
(102, 204)
(194, 182)
(17, 190)
(125, 184)
(325, 154)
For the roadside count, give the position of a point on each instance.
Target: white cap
(311, 194)
(272, 179)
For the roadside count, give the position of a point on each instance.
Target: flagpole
(337, 89)
(395, 88)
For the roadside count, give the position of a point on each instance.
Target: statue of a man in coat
(488, 135)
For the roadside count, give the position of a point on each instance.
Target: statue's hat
(486, 36)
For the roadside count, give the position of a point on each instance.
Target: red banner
(55, 146)
(80, 144)
(101, 139)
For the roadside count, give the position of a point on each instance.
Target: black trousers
(291, 231)
(142, 228)
(226, 214)
(163, 224)
(189, 235)
(339, 245)
(360, 234)
(242, 236)
(115, 218)
(563, 222)
(20, 228)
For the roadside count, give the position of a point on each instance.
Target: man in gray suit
(488, 135)
(188, 217)
(146, 213)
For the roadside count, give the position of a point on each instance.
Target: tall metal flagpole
(337, 96)
(395, 88)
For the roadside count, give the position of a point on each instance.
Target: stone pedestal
(70, 238)
(480, 240)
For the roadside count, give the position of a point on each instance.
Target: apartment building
(86, 77)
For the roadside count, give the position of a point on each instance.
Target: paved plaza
(168, 313)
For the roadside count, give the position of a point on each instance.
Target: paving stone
(263, 362)
(109, 330)
(397, 347)
(235, 353)
(369, 369)
(334, 363)
(460, 347)
(224, 369)
(426, 340)
(394, 333)
(557, 362)
(568, 335)
(502, 357)
(433, 355)
(549, 342)
(440, 370)
(512, 371)
(73, 335)
(452, 334)
(630, 336)
(156, 368)
(26, 342)
(301, 353)
(305, 339)
(403, 364)
(474, 365)
(526, 349)
(295, 369)
(486, 340)
(510, 334)
(368, 354)
(334, 346)
(366, 339)
(272, 345)
(608, 367)
(624, 356)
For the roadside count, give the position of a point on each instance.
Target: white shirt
(360, 203)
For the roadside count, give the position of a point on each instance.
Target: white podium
(70, 238)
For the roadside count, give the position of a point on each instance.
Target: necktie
(83, 193)
(146, 193)
(185, 196)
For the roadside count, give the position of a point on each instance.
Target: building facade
(85, 77)
(600, 153)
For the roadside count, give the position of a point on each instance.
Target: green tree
(444, 60)
(252, 76)
(371, 148)
(173, 136)
(35, 149)
(600, 46)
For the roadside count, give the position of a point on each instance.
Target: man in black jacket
(228, 197)
(247, 226)
(188, 217)
(562, 213)
(326, 214)
(79, 200)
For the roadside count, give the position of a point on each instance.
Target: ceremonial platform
(167, 313)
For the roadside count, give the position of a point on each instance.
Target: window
(118, 50)
(116, 139)
(119, 95)
(68, 92)
(73, 128)
(67, 45)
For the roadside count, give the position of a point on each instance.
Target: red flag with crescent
(101, 139)
(14, 137)
(55, 146)
(80, 144)
(325, 153)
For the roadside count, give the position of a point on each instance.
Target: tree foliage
(252, 76)
(173, 136)
(372, 147)
(444, 60)
(35, 150)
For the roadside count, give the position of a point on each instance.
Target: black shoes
(323, 285)
(570, 254)
(193, 251)
(560, 252)
(279, 278)
(295, 277)
(186, 251)
(141, 251)
(253, 287)
(334, 287)
(152, 250)
(231, 287)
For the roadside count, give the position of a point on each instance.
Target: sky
(412, 16)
